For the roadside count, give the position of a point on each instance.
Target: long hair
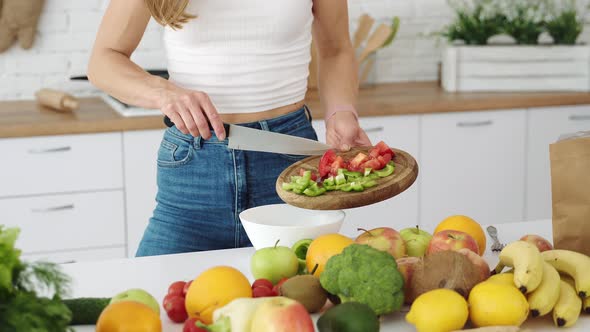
(169, 12)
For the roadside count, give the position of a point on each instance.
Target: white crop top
(247, 55)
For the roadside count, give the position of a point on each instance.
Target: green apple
(138, 295)
(416, 241)
(274, 263)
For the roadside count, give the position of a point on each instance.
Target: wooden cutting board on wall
(405, 174)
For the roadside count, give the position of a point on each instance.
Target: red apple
(452, 240)
(539, 241)
(281, 314)
(384, 239)
(406, 266)
(476, 259)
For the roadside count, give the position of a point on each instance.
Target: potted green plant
(521, 62)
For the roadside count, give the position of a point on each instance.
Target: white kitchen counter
(154, 274)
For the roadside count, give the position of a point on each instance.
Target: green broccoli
(364, 274)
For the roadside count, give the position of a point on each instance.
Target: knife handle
(169, 124)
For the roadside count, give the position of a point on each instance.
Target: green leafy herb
(22, 307)
(565, 25)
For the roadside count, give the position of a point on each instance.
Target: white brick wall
(67, 30)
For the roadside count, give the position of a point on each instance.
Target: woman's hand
(343, 132)
(191, 112)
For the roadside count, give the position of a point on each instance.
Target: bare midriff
(258, 116)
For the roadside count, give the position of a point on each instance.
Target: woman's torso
(250, 56)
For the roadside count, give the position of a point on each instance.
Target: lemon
(439, 310)
(503, 278)
(495, 303)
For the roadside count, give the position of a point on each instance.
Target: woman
(236, 61)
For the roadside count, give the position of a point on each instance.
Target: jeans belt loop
(264, 125)
(197, 142)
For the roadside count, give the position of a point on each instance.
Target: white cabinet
(545, 125)
(66, 222)
(59, 164)
(472, 164)
(141, 151)
(401, 132)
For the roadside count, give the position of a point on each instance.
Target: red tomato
(190, 325)
(374, 153)
(384, 159)
(337, 164)
(357, 161)
(185, 289)
(326, 162)
(174, 306)
(262, 283)
(373, 164)
(262, 291)
(176, 287)
(384, 148)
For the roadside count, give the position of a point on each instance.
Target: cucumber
(85, 310)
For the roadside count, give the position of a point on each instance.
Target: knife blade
(250, 139)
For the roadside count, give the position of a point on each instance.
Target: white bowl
(268, 223)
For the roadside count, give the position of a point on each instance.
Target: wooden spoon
(376, 40)
(362, 31)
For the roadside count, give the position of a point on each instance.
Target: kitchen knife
(250, 139)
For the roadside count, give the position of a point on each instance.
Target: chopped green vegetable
(361, 273)
(386, 171)
(367, 171)
(340, 179)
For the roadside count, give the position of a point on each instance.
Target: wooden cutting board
(406, 172)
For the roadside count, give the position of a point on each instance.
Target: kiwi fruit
(307, 290)
(444, 269)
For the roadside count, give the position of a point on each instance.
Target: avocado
(349, 317)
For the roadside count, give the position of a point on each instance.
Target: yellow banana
(573, 264)
(586, 305)
(567, 309)
(544, 298)
(527, 262)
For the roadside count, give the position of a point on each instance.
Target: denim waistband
(282, 123)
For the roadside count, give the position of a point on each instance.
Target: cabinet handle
(373, 129)
(579, 117)
(475, 123)
(54, 208)
(51, 150)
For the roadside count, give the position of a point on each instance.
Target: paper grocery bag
(570, 191)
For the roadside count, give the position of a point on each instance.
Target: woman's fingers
(187, 117)
(212, 115)
(172, 113)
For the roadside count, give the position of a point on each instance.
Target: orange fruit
(467, 225)
(322, 248)
(128, 316)
(213, 289)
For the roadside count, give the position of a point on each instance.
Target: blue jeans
(203, 186)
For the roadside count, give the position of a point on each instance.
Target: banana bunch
(554, 280)
(574, 296)
(527, 262)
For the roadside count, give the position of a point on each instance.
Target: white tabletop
(154, 274)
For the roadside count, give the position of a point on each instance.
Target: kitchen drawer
(473, 164)
(66, 222)
(58, 164)
(64, 257)
(545, 125)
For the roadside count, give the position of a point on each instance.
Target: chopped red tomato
(337, 164)
(326, 163)
(357, 161)
(374, 153)
(373, 164)
(384, 159)
(384, 148)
